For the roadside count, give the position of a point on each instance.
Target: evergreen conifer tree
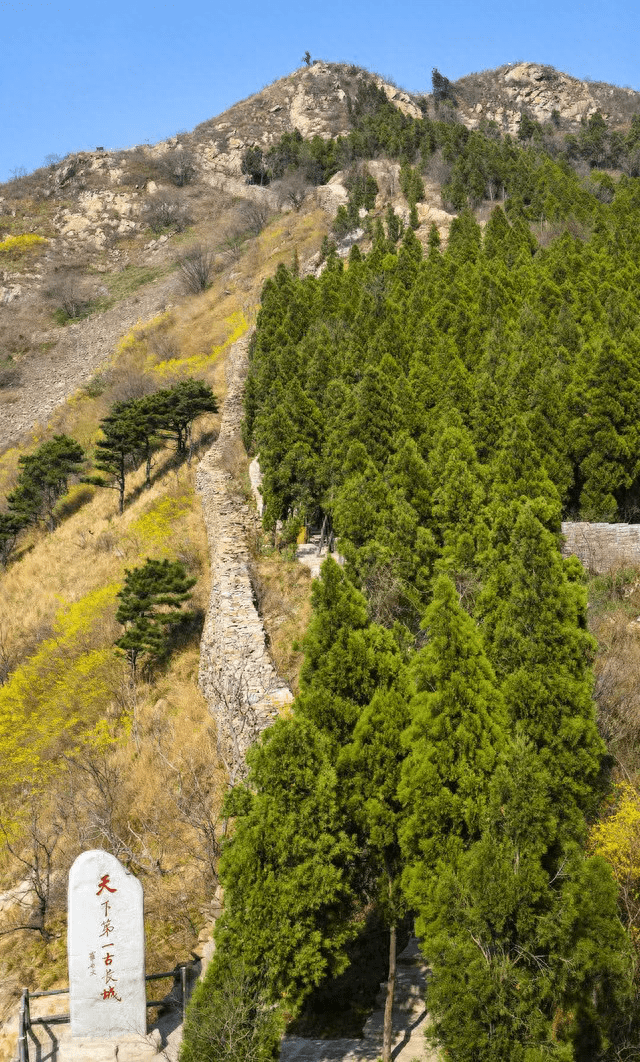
(286, 871)
(370, 771)
(44, 478)
(150, 606)
(454, 742)
(533, 618)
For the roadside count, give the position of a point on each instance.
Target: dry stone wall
(601, 547)
(237, 676)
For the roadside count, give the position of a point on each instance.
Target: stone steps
(410, 1019)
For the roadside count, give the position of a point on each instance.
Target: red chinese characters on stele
(107, 929)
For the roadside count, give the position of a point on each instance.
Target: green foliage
(454, 741)
(530, 959)
(254, 166)
(133, 430)
(443, 413)
(228, 1018)
(44, 478)
(289, 901)
(150, 608)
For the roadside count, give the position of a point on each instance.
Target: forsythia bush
(58, 690)
(11, 244)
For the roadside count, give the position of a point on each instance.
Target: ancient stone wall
(602, 547)
(237, 676)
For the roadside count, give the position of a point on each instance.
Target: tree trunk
(121, 494)
(387, 1034)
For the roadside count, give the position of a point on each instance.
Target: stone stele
(105, 944)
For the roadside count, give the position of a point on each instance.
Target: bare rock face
(541, 92)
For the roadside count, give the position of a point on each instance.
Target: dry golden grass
(283, 589)
(156, 749)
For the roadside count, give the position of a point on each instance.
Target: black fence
(183, 977)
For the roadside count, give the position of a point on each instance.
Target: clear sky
(76, 75)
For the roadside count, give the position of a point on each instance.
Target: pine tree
(11, 524)
(176, 409)
(44, 478)
(150, 606)
(124, 439)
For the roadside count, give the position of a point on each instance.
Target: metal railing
(176, 998)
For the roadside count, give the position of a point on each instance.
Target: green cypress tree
(370, 772)
(533, 618)
(453, 741)
(605, 430)
(529, 958)
(286, 871)
(347, 658)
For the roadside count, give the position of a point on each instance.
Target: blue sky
(78, 74)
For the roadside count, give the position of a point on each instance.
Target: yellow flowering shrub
(20, 244)
(617, 839)
(156, 526)
(60, 690)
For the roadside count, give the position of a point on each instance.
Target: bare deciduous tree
(292, 189)
(68, 294)
(36, 857)
(255, 214)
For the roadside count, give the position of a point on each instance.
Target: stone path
(237, 676)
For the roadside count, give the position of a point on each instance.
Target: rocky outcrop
(543, 93)
(237, 676)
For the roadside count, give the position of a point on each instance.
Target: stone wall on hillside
(237, 676)
(602, 547)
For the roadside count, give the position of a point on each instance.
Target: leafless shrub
(165, 212)
(130, 383)
(196, 267)
(292, 190)
(438, 169)
(178, 166)
(101, 796)
(631, 164)
(255, 214)
(9, 373)
(68, 294)
(35, 854)
(163, 345)
(8, 655)
(139, 167)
